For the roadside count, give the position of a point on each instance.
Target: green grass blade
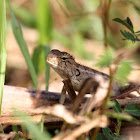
(3, 53)
(39, 61)
(26, 17)
(32, 128)
(47, 67)
(0, 18)
(122, 116)
(22, 44)
(44, 21)
(44, 25)
(1, 130)
(41, 125)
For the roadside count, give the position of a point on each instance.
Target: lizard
(66, 67)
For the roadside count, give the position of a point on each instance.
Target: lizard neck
(91, 72)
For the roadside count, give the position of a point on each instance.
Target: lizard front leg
(69, 88)
(88, 86)
(63, 95)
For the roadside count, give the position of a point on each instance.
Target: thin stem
(3, 53)
(105, 16)
(118, 127)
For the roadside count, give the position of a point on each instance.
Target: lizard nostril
(50, 56)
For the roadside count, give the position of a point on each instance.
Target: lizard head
(61, 62)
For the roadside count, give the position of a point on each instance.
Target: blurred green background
(65, 25)
(83, 28)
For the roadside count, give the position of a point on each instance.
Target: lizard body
(66, 66)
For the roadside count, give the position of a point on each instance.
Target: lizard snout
(51, 60)
(50, 57)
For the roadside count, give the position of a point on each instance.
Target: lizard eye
(63, 58)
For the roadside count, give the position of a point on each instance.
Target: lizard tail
(125, 90)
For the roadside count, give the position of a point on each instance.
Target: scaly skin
(66, 66)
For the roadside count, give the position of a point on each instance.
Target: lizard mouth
(52, 64)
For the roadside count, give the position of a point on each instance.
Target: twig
(25, 100)
(133, 87)
(124, 102)
(88, 84)
(98, 121)
(105, 6)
